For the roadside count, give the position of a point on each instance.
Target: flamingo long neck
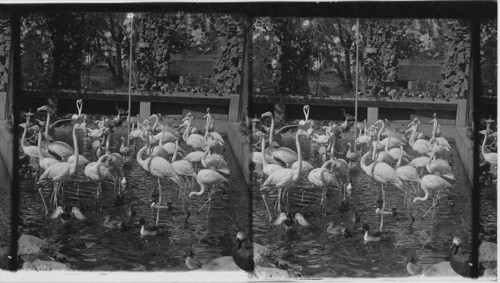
(108, 138)
(296, 172)
(400, 156)
(156, 122)
(484, 143)
(387, 144)
(325, 165)
(426, 195)
(26, 125)
(174, 156)
(434, 127)
(271, 134)
(381, 130)
(47, 126)
(202, 189)
(40, 145)
(413, 134)
(207, 127)
(263, 145)
(363, 161)
(322, 175)
(162, 135)
(72, 170)
(332, 149)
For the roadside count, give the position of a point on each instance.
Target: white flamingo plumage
(421, 146)
(61, 149)
(208, 177)
(406, 173)
(171, 147)
(196, 141)
(44, 162)
(383, 174)
(183, 168)
(434, 183)
(159, 150)
(283, 154)
(283, 179)
(215, 162)
(98, 172)
(160, 168)
(439, 167)
(31, 150)
(115, 160)
(490, 157)
(267, 168)
(62, 171)
(321, 178)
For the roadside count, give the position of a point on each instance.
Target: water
(90, 246)
(311, 250)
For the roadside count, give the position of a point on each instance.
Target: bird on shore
(412, 268)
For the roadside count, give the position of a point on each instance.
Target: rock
(260, 250)
(225, 263)
(487, 252)
(489, 274)
(266, 273)
(441, 269)
(30, 245)
(28, 266)
(44, 265)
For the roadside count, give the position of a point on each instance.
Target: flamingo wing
(435, 182)
(210, 177)
(383, 173)
(279, 178)
(57, 172)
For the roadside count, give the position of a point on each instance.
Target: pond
(312, 251)
(88, 245)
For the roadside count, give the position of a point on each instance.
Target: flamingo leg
(159, 190)
(383, 209)
(43, 199)
(279, 200)
(267, 207)
(157, 215)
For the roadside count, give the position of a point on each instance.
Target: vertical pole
(356, 88)
(131, 15)
(244, 108)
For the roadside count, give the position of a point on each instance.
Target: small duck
(344, 206)
(108, 223)
(335, 230)
(371, 236)
(301, 220)
(191, 262)
(78, 213)
(131, 212)
(167, 206)
(379, 210)
(153, 231)
(61, 213)
(289, 222)
(348, 189)
(412, 268)
(460, 260)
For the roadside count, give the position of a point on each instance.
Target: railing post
(145, 110)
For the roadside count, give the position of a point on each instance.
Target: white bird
(62, 171)
(321, 178)
(267, 168)
(183, 168)
(439, 167)
(31, 151)
(61, 149)
(421, 146)
(283, 154)
(434, 183)
(196, 141)
(406, 173)
(98, 172)
(115, 160)
(490, 157)
(158, 167)
(283, 179)
(208, 177)
(382, 173)
(215, 162)
(44, 162)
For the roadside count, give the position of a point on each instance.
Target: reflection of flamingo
(159, 168)
(62, 171)
(434, 183)
(383, 174)
(208, 177)
(285, 178)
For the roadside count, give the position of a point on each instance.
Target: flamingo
(44, 162)
(125, 149)
(421, 146)
(376, 144)
(285, 178)
(171, 147)
(352, 155)
(50, 127)
(490, 157)
(284, 154)
(164, 135)
(217, 139)
(183, 168)
(416, 123)
(383, 174)
(159, 150)
(420, 162)
(387, 132)
(434, 183)
(97, 133)
(440, 140)
(341, 166)
(439, 167)
(208, 177)
(194, 157)
(196, 141)
(321, 178)
(406, 173)
(385, 156)
(115, 160)
(79, 106)
(267, 168)
(59, 148)
(62, 171)
(98, 172)
(215, 162)
(31, 151)
(159, 168)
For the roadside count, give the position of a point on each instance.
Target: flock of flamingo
(381, 155)
(161, 156)
(377, 150)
